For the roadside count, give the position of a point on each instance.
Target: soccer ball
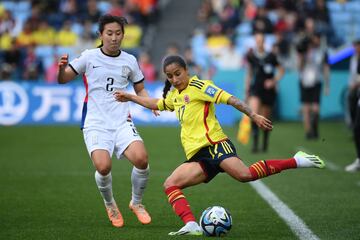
(216, 221)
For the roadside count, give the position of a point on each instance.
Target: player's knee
(141, 160)
(169, 182)
(103, 170)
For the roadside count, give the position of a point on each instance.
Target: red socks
(263, 169)
(258, 170)
(180, 204)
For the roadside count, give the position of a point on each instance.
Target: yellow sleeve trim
(223, 97)
(161, 104)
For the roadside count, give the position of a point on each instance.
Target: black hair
(170, 60)
(174, 59)
(166, 88)
(107, 18)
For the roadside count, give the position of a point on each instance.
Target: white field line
(295, 223)
(328, 164)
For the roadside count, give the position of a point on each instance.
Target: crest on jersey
(186, 99)
(211, 91)
(125, 72)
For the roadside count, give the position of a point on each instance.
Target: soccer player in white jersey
(106, 124)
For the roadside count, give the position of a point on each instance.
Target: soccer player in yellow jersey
(208, 150)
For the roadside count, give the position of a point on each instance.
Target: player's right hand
(64, 60)
(262, 122)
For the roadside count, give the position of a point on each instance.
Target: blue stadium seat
(77, 28)
(273, 16)
(47, 61)
(334, 6)
(104, 6)
(260, 3)
(9, 5)
(244, 28)
(22, 16)
(44, 51)
(243, 43)
(23, 6)
(353, 6)
(341, 17)
(59, 50)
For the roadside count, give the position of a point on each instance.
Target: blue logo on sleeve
(211, 91)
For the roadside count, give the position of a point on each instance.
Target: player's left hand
(262, 122)
(156, 113)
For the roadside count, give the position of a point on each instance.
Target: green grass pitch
(48, 191)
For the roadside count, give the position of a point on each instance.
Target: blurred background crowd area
(210, 34)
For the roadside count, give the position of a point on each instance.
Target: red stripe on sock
(263, 169)
(179, 204)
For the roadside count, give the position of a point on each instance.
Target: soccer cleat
(140, 212)
(354, 167)
(114, 214)
(189, 229)
(306, 160)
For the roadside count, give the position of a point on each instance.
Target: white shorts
(116, 140)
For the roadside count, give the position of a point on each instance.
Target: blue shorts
(211, 156)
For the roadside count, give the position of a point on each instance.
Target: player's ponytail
(166, 88)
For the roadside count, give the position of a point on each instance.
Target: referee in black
(263, 74)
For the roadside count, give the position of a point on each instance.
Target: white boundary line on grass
(330, 165)
(297, 225)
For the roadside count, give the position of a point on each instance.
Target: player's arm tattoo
(241, 106)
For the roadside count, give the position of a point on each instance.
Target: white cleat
(306, 160)
(191, 228)
(354, 167)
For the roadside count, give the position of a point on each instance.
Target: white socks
(139, 178)
(104, 184)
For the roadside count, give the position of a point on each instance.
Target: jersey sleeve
(209, 92)
(79, 63)
(136, 74)
(166, 104)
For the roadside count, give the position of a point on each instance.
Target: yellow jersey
(195, 110)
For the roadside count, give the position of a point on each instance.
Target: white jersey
(102, 75)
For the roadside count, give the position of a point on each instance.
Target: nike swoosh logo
(225, 219)
(96, 66)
